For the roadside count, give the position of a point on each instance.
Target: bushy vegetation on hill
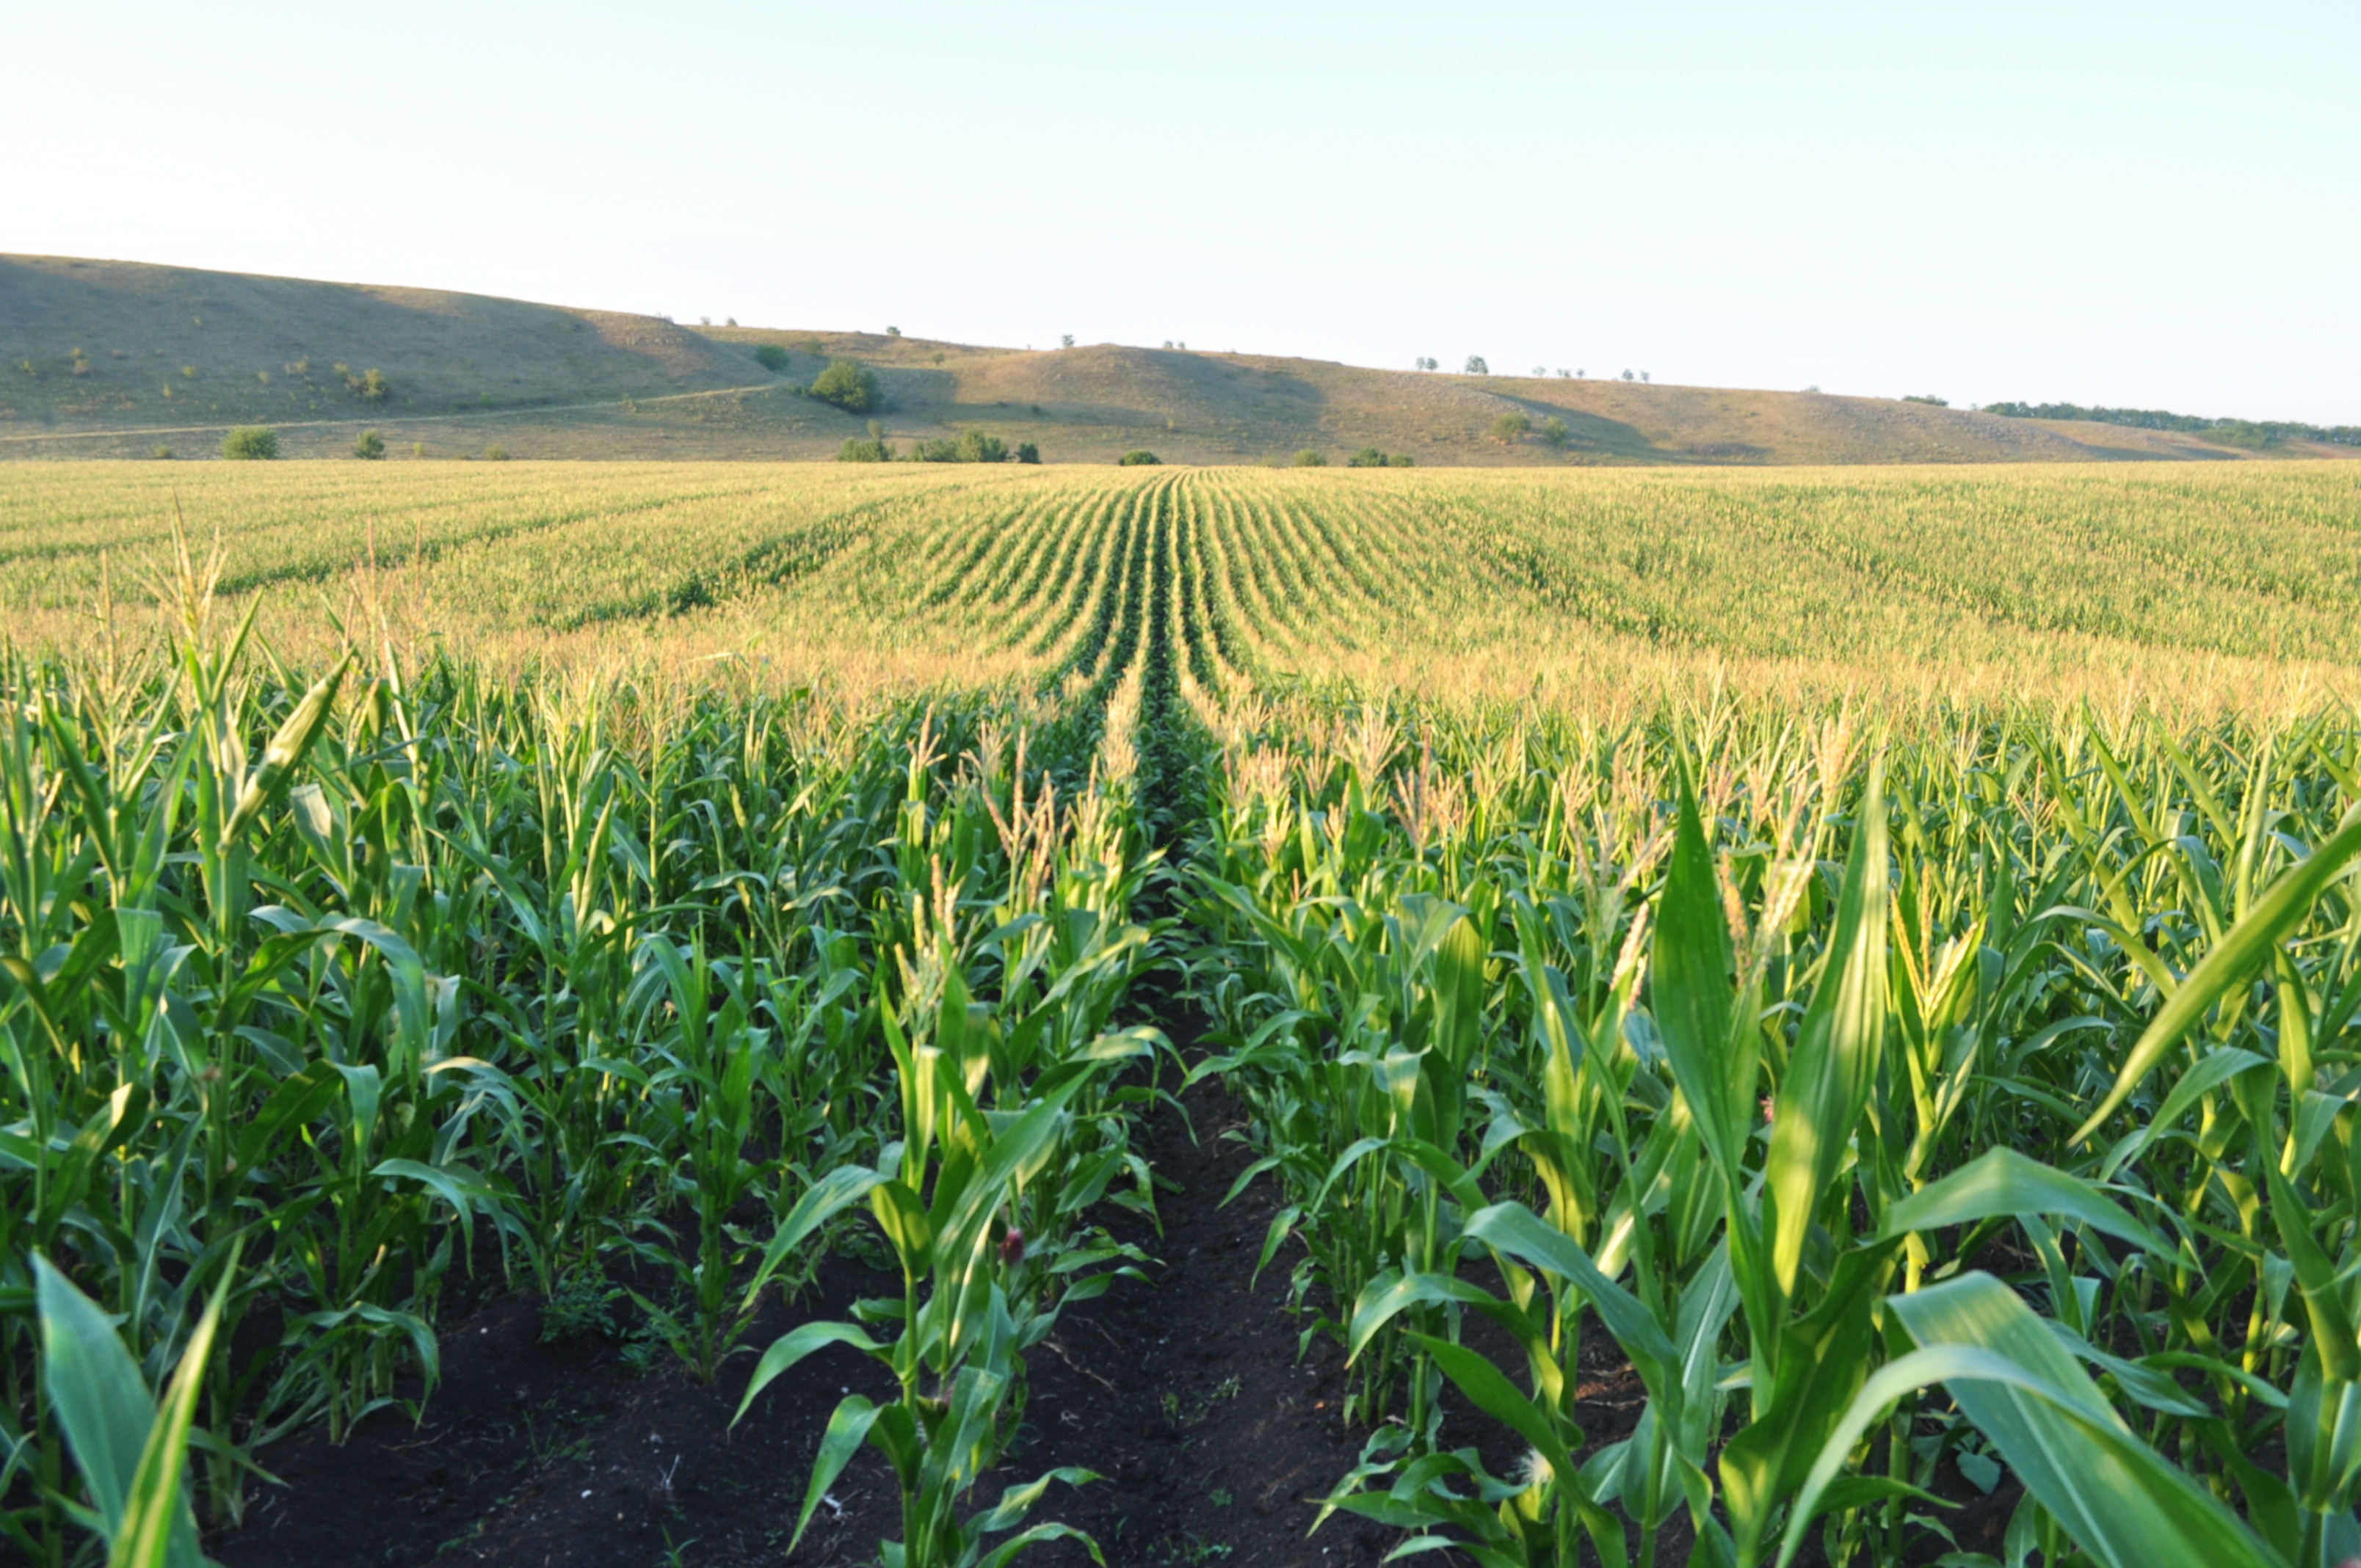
(1139, 459)
(771, 358)
(2252, 434)
(850, 387)
(250, 443)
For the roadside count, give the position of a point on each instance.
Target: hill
(111, 358)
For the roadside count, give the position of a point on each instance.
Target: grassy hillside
(110, 345)
(119, 359)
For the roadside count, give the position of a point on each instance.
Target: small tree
(1027, 453)
(1554, 431)
(850, 387)
(1066, 340)
(856, 450)
(1308, 458)
(1401, 460)
(1540, 371)
(1475, 366)
(771, 358)
(1511, 426)
(1139, 459)
(1366, 457)
(162, 455)
(496, 453)
(251, 444)
(976, 446)
(893, 332)
(371, 445)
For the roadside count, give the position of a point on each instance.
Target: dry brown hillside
(102, 359)
(114, 344)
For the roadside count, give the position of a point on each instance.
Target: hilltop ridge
(116, 358)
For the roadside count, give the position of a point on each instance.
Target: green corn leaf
(1007, 1551)
(1827, 1083)
(2233, 959)
(157, 1530)
(1821, 1359)
(2317, 1277)
(1498, 1397)
(1016, 1502)
(826, 1199)
(847, 1430)
(792, 1347)
(2121, 1501)
(130, 1455)
(1518, 1231)
(1689, 988)
(2002, 1181)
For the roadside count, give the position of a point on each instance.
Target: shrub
(369, 386)
(162, 455)
(496, 453)
(975, 446)
(418, 449)
(371, 445)
(1366, 457)
(1930, 400)
(771, 358)
(857, 450)
(251, 443)
(893, 332)
(1139, 459)
(850, 387)
(1401, 460)
(1308, 458)
(1554, 431)
(1510, 426)
(1027, 453)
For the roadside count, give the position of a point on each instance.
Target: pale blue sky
(2156, 204)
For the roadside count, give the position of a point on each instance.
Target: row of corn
(319, 997)
(1911, 1115)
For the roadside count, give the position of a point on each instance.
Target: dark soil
(1188, 1396)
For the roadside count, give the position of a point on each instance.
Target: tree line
(2234, 432)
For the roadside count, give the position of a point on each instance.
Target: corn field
(1871, 955)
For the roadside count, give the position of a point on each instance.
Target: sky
(2152, 205)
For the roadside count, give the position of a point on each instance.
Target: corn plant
(942, 1196)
